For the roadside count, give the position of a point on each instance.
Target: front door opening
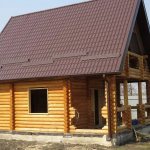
(96, 107)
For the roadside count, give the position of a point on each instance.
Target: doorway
(96, 107)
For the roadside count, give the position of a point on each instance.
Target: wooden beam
(12, 108)
(125, 93)
(67, 95)
(140, 92)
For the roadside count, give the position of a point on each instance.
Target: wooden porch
(119, 117)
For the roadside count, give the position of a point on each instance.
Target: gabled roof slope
(86, 38)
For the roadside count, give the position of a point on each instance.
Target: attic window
(134, 44)
(38, 101)
(133, 62)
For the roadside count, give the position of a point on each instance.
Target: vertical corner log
(125, 93)
(113, 104)
(12, 108)
(67, 95)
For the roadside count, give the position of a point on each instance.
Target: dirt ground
(22, 145)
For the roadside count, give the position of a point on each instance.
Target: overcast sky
(10, 8)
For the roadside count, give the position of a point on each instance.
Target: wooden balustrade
(126, 117)
(140, 69)
(136, 66)
(141, 113)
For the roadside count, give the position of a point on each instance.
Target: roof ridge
(51, 9)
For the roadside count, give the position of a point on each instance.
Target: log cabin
(61, 69)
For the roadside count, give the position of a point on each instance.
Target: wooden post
(113, 104)
(12, 108)
(141, 113)
(125, 93)
(140, 92)
(140, 106)
(126, 115)
(67, 96)
(104, 111)
(148, 95)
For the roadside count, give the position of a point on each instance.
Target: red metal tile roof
(86, 38)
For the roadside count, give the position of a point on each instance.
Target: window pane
(38, 101)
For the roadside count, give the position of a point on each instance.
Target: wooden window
(134, 62)
(38, 101)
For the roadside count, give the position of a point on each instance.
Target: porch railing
(125, 113)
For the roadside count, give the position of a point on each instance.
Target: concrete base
(129, 136)
(67, 139)
(119, 139)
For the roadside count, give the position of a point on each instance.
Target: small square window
(38, 101)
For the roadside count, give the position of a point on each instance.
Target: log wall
(5, 107)
(70, 105)
(53, 121)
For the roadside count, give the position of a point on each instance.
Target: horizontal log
(134, 107)
(4, 109)
(147, 106)
(38, 85)
(39, 130)
(39, 126)
(4, 125)
(57, 119)
(121, 109)
(122, 127)
(5, 128)
(56, 95)
(90, 131)
(4, 122)
(4, 102)
(147, 120)
(33, 122)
